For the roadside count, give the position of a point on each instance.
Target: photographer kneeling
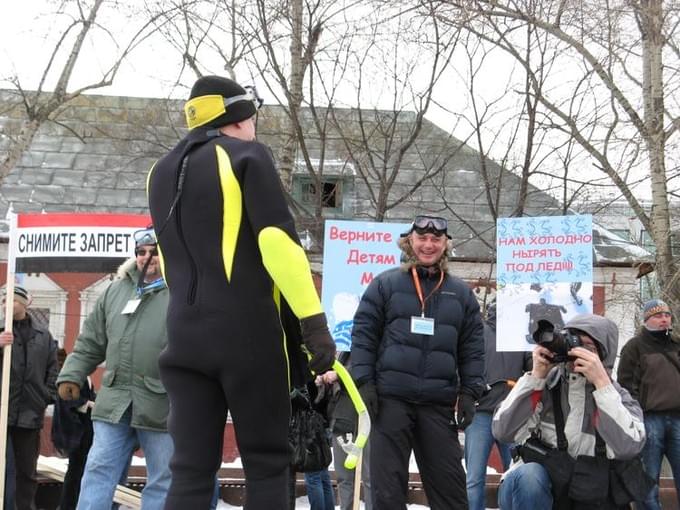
(571, 420)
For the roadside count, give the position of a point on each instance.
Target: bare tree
(204, 32)
(400, 63)
(42, 105)
(298, 26)
(296, 42)
(609, 94)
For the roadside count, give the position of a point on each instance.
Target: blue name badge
(422, 326)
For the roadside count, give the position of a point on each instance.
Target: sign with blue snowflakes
(544, 272)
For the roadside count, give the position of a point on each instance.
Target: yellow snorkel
(353, 448)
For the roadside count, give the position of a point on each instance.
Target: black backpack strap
(600, 446)
(562, 442)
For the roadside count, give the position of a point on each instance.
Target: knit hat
(652, 307)
(21, 295)
(216, 101)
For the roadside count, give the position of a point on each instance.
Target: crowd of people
(218, 312)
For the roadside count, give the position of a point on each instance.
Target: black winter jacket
(413, 367)
(646, 371)
(33, 374)
(501, 367)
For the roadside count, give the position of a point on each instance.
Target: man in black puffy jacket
(417, 346)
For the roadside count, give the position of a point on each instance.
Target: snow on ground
(302, 503)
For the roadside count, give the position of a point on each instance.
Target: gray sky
(28, 34)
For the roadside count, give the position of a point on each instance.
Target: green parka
(130, 345)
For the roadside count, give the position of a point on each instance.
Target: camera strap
(600, 446)
(562, 442)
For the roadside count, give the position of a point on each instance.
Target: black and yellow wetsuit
(228, 251)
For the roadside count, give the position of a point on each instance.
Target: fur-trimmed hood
(127, 269)
(408, 258)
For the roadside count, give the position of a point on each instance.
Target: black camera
(557, 342)
(533, 450)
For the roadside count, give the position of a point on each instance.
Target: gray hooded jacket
(609, 410)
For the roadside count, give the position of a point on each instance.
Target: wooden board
(54, 468)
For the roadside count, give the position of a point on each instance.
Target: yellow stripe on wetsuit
(158, 244)
(287, 264)
(231, 210)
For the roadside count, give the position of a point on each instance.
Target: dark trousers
(260, 407)
(10, 476)
(26, 447)
(76, 466)
(292, 496)
(428, 430)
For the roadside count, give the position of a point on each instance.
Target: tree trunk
(297, 73)
(651, 23)
(17, 149)
(42, 113)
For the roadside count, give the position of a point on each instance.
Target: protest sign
(544, 271)
(354, 252)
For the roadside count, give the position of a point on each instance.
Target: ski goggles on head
(250, 95)
(424, 224)
(144, 236)
(430, 222)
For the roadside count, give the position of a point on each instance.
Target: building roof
(96, 156)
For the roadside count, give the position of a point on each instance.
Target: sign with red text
(73, 242)
(354, 252)
(544, 273)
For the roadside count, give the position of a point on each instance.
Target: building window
(622, 233)
(646, 241)
(331, 195)
(306, 191)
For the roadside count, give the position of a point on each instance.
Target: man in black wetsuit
(237, 275)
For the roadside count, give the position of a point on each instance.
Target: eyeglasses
(140, 252)
(430, 223)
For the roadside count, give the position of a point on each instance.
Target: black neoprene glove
(370, 397)
(466, 410)
(319, 342)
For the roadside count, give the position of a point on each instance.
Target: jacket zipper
(191, 295)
